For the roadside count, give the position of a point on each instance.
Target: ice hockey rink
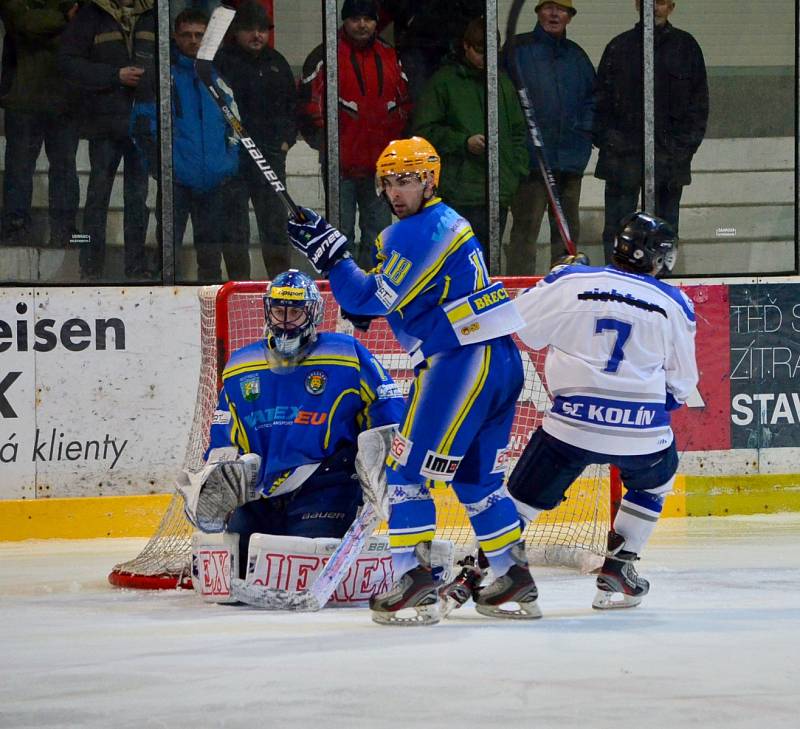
(715, 644)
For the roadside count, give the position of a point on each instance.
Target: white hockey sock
(527, 513)
(403, 562)
(638, 515)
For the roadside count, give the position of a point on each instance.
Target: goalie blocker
(294, 563)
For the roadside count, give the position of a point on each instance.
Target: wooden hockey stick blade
(334, 571)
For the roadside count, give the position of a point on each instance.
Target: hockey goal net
(232, 316)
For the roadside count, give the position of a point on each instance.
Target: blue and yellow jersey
(431, 283)
(297, 416)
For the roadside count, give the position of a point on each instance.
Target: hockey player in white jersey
(620, 357)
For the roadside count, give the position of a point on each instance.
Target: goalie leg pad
(215, 560)
(292, 564)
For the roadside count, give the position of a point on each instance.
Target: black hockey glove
(359, 321)
(317, 240)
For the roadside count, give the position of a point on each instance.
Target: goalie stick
(334, 571)
(215, 32)
(533, 129)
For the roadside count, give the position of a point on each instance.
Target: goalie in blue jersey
(283, 445)
(432, 285)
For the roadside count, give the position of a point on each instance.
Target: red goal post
(232, 316)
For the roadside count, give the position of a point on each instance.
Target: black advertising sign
(765, 365)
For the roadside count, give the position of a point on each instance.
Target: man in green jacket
(451, 115)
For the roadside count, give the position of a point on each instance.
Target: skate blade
(523, 610)
(604, 600)
(422, 615)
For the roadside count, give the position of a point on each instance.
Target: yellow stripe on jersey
(463, 411)
(348, 391)
(411, 412)
(368, 397)
(499, 543)
(436, 266)
(312, 361)
(238, 433)
(410, 540)
(445, 289)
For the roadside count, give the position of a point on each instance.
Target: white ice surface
(715, 644)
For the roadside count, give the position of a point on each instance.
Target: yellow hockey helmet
(406, 156)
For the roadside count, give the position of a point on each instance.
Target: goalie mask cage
(232, 315)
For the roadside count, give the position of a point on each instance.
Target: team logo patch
(220, 417)
(251, 387)
(400, 449)
(439, 467)
(501, 461)
(316, 382)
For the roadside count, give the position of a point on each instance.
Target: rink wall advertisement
(97, 387)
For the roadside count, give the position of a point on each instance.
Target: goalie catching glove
(373, 447)
(227, 482)
(322, 244)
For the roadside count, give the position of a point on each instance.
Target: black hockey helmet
(646, 243)
(293, 311)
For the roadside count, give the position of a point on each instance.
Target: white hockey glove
(227, 481)
(373, 447)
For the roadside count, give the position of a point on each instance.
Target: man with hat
(559, 78)
(373, 109)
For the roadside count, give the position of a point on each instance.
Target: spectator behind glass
(681, 113)
(559, 78)
(205, 156)
(451, 115)
(426, 32)
(38, 110)
(264, 89)
(108, 51)
(373, 110)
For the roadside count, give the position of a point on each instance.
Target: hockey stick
(533, 129)
(334, 571)
(215, 32)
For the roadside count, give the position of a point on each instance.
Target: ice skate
(454, 594)
(413, 599)
(618, 585)
(515, 588)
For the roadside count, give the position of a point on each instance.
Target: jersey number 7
(623, 331)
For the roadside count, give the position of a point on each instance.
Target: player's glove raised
(317, 240)
(571, 259)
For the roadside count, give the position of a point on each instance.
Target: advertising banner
(97, 388)
(765, 365)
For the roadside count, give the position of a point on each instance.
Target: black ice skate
(454, 594)
(515, 587)
(618, 585)
(414, 591)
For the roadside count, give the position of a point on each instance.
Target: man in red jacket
(373, 110)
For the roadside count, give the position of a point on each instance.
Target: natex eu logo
(285, 415)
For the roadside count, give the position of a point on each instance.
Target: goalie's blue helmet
(646, 244)
(293, 310)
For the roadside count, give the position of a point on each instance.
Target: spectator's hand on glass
(72, 11)
(285, 147)
(130, 75)
(476, 144)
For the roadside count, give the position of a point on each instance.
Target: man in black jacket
(265, 93)
(108, 51)
(681, 113)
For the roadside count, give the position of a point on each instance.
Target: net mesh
(573, 534)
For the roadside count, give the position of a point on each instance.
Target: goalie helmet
(408, 156)
(646, 244)
(293, 310)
